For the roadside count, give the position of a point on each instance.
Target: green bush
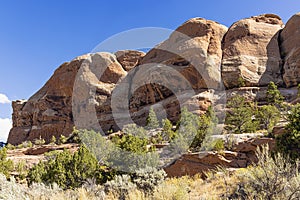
(53, 140)
(6, 165)
(152, 121)
(289, 142)
(273, 95)
(67, 170)
(120, 186)
(268, 116)
(62, 139)
(131, 153)
(10, 147)
(168, 133)
(39, 141)
(239, 119)
(273, 177)
(148, 179)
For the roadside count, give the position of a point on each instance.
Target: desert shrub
(21, 169)
(133, 129)
(10, 146)
(241, 82)
(218, 145)
(167, 134)
(132, 143)
(10, 190)
(273, 177)
(131, 152)
(6, 165)
(152, 121)
(97, 144)
(53, 140)
(289, 142)
(67, 170)
(239, 119)
(188, 132)
(62, 139)
(120, 186)
(173, 189)
(148, 179)
(273, 95)
(39, 141)
(268, 116)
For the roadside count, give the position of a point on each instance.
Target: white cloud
(5, 126)
(4, 99)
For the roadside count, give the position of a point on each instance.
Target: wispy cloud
(4, 99)
(5, 126)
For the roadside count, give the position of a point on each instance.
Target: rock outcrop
(242, 155)
(251, 55)
(189, 69)
(290, 47)
(49, 112)
(129, 58)
(194, 50)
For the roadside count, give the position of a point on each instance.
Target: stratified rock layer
(106, 91)
(251, 55)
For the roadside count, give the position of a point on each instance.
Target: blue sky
(37, 36)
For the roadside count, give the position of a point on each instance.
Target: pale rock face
(49, 112)
(251, 53)
(194, 50)
(290, 47)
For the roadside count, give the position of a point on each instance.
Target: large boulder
(290, 47)
(194, 50)
(49, 112)
(251, 55)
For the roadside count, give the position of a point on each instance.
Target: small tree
(240, 116)
(289, 142)
(274, 96)
(168, 133)
(268, 115)
(152, 121)
(66, 169)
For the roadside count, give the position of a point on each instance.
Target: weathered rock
(49, 112)
(199, 163)
(194, 50)
(243, 154)
(290, 47)
(129, 58)
(251, 54)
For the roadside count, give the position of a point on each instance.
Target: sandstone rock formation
(193, 49)
(129, 58)
(251, 54)
(243, 154)
(290, 47)
(188, 69)
(49, 112)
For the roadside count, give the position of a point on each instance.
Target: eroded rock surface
(290, 47)
(251, 55)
